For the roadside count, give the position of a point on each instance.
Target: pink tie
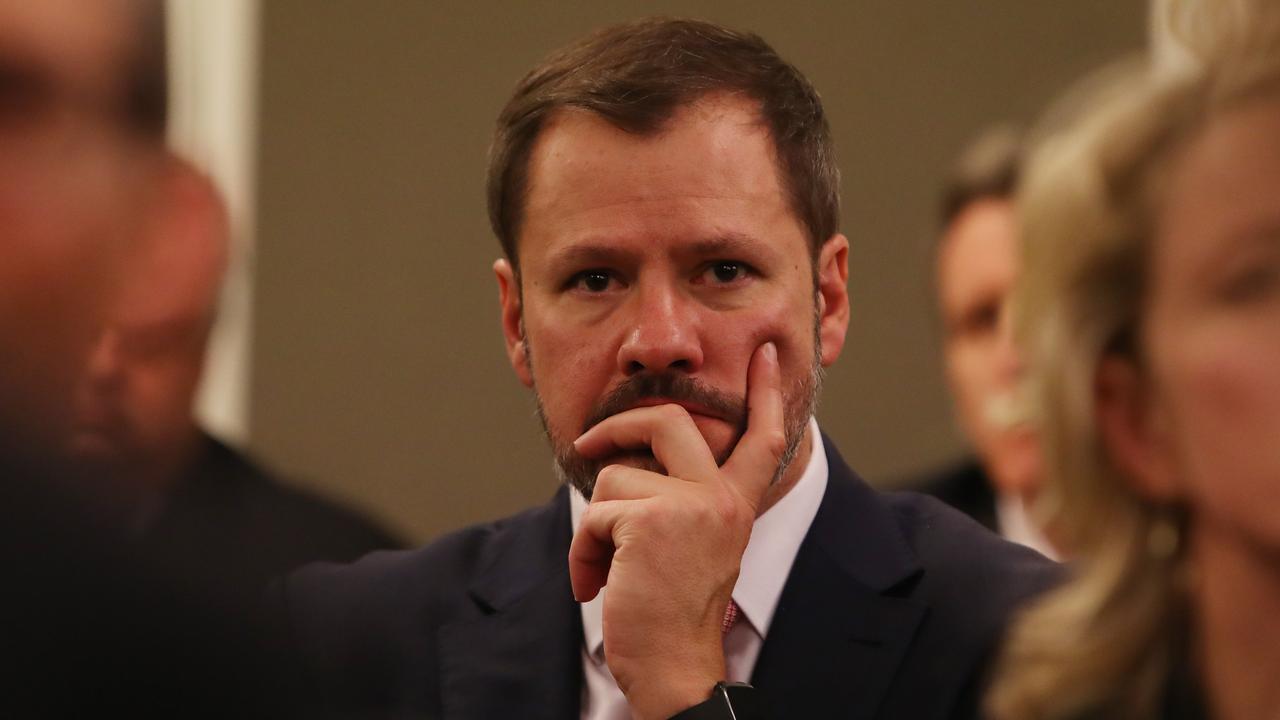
(730, 617)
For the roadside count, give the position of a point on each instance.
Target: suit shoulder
(331, 531)
(968, 567)
(444, 564)
(972, 582)
(365, 631)
(386, 588)
(950, 542)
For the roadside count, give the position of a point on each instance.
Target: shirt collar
(775, 540)
(1014, 522)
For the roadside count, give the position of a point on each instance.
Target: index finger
(754, 461)
(666, 430)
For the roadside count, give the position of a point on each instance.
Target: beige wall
(378, 371)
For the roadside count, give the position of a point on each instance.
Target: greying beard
(580, 473)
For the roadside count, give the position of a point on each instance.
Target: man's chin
(96, 450)
(721, 436)
(580, 473)
(638, 459)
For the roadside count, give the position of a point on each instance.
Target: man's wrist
(728, 701)
(662, 697)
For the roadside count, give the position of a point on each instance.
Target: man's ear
(1133, 429)
(833, 297)
(513, 320)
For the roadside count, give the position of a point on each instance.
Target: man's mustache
(674, 387)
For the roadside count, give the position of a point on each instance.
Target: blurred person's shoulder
(264, 498)
(233, 514)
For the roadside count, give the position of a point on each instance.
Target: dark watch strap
(728, 701)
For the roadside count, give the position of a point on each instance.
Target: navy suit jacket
(892, 609)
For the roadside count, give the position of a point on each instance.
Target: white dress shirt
(1014, 522)
(775, 540)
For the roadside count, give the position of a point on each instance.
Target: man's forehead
(987, 229)
(713, 162)
(979, 253)
(166, 286)
(176, 268)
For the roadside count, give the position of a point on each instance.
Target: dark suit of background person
(891, 608)
(229, 518)
(90, 628)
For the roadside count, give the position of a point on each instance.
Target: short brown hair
(986, 169)
(636, 75)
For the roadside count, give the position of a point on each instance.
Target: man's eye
(1251, 284)
(594, 281)
(26, 96)
(723, 272)
(982, 319)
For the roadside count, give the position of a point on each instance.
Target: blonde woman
(1151, 312)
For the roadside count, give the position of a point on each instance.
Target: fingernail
(771, 350)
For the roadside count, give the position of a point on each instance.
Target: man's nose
(106, 366)
(662, 333)
(1008, 358)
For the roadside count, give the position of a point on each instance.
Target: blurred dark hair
(145, 73)
(986, 169)
(636, 75)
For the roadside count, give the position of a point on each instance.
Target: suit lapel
(840, 631)
(522, 656)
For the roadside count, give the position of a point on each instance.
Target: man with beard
(673, 282)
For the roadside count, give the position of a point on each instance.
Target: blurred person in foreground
(86, 629)
(1150, 308)
(976, 264)
(196, 502)
(673, 282)
(82, 112)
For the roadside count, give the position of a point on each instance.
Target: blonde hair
(1103, 644)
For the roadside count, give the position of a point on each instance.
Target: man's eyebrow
(22, 75)
(725, 244)
(603, 252)
(589, 253)
(1265, 233)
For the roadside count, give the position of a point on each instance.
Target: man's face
(977, 267)
(134, 405)
(652, 267)
(70, 190)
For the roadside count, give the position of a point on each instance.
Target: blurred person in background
(976, 264)
(191, 498)
(1150, 309)
(86, 628)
